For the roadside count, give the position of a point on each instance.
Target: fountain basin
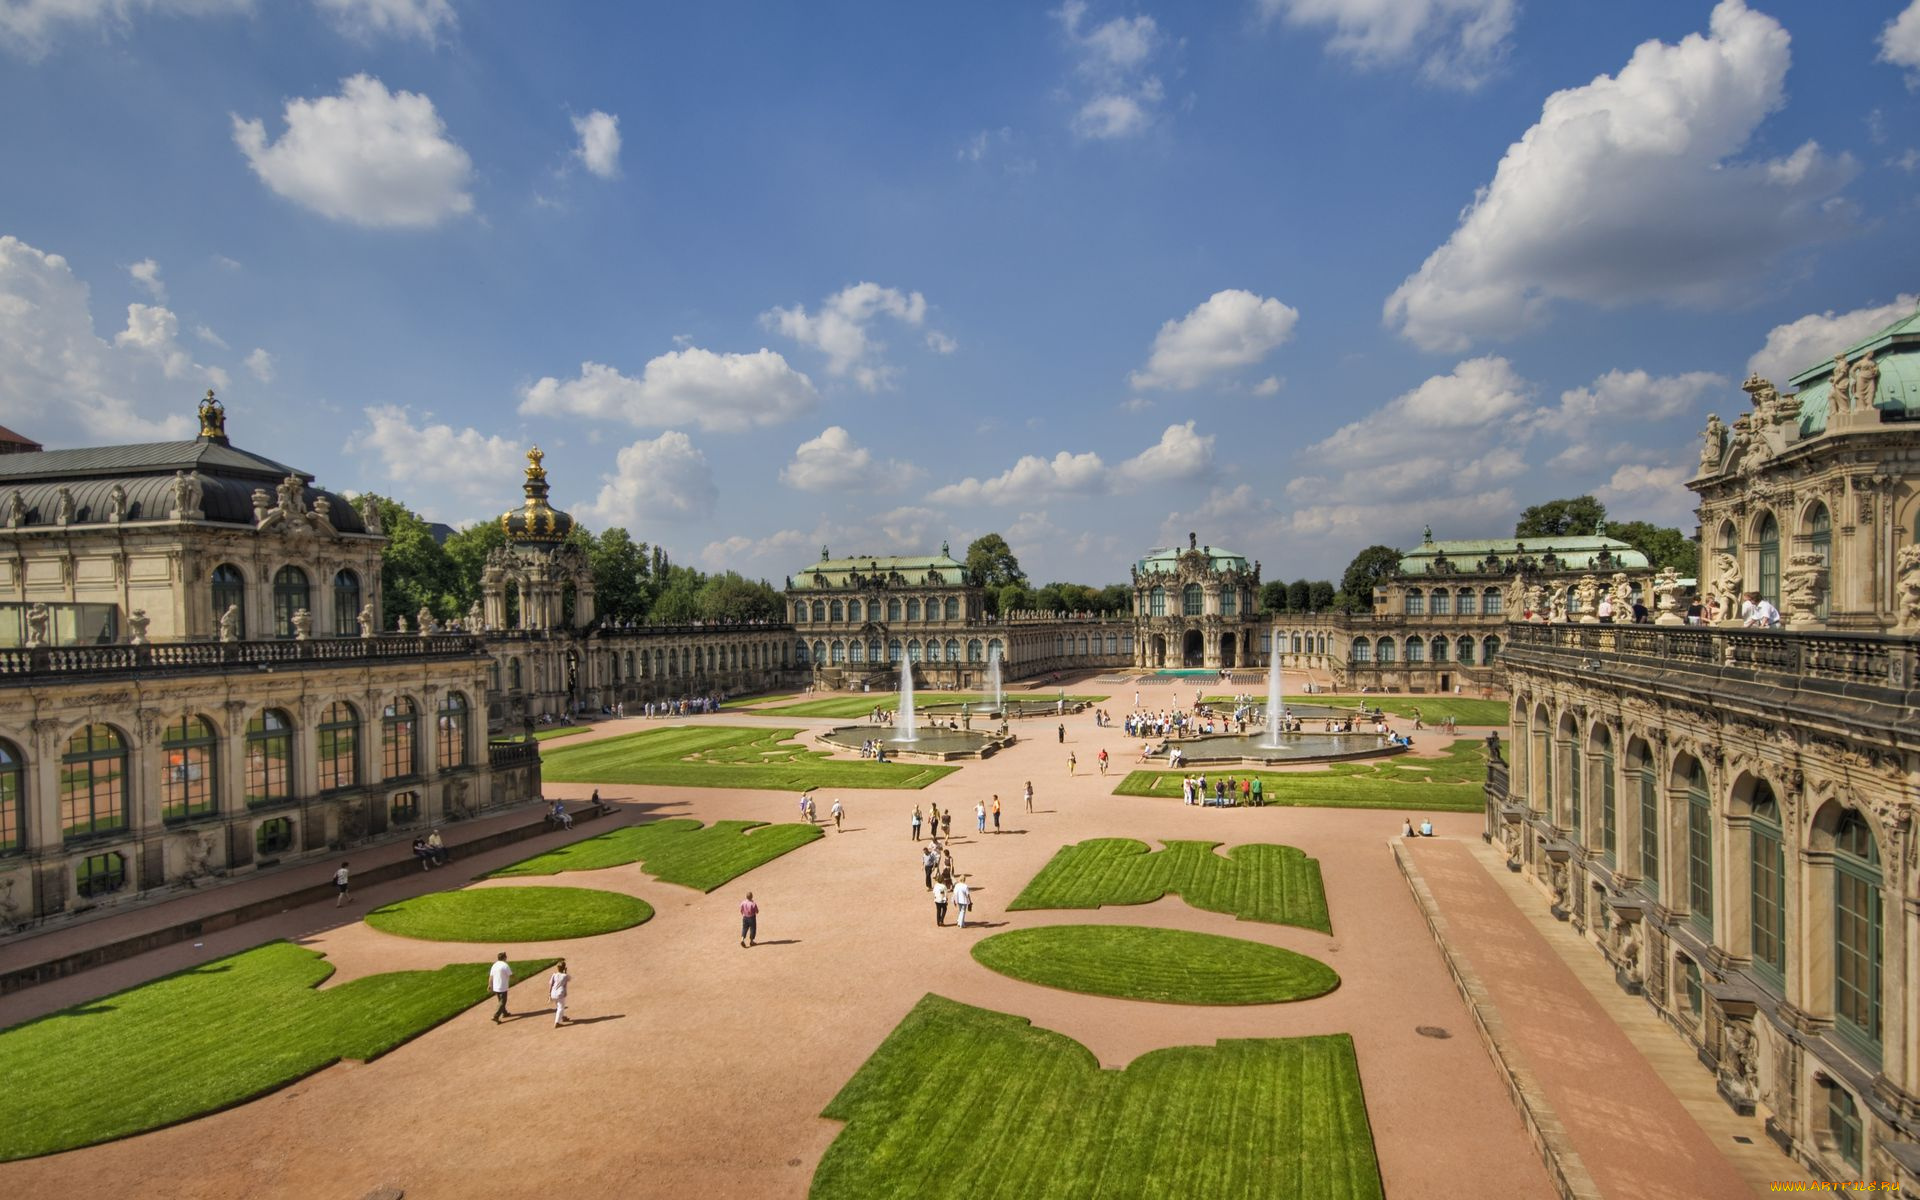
(938, 745)
(1251, 749)
(1015, 708)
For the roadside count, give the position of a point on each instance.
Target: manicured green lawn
(558, 731)
(1433, 709)
(206, 1039)
(724, 757)
(677, 850)
(963, 1102)
(860, 706)
(1450, 784)
(1259, 882)
(1169, 965)
(507, 915)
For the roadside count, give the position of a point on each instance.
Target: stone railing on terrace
(1826, 661)
(636, 629)
(1034, 616)
(48, 664)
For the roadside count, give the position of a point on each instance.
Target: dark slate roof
(143, 458)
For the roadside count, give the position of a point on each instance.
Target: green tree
(1369, 568)
(1274, 598)
(1114, 598)
(731, 596)
(1578, 516)
(467, 551)
(1664, 546)
(678, 599)
(1011, 597)
(415, 571)
(620, 576)
(1300, 596)
(1322, 594)
(991, 564)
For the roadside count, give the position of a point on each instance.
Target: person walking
(1103, 761)
(996, 812)
(946, 825)
(557, 992)
(1029, 796)
(916, 822)
(962, 900)
(939, 902)
(1063, 733)
(806, 802)
(749, 921)
(341, 885)
(499, 979)
(928, 861)
(1072, 762)
(837, 813)
(933, 829)
(979, 817)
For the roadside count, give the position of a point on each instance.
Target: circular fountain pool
(929, 743)
(1293, 747)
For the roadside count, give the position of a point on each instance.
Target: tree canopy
(991, 564)
(1664, 546)
(1369, 568)
(1578, 516)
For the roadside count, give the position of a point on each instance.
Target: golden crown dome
(535, 522)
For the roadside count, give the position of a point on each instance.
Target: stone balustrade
(41, 664)
(1819, 660)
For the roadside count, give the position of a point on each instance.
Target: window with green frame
(1820, 537)
(1768, 875)
(1576, 783)
(399, 743)
(1767, 535)
(1692, 987)
(339, 736)
(1857, 931)
(100, 874)
(1192, 600)
(189, 770)
(1699, 850)
(274, 837)
(1649, 827)
(1843, 1124)
(404, 809)
(1543, 754)
(1609, 813)
(453, 731)
(93, 783)
(13, 799)
(269, 758)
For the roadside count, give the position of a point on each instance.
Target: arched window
(857, 652)
(1574, 769)
(953, 650)
(975, 652)
(230, 592)
(275, 836)
(800, 651)
(1489, 650)
(1843, 1124)
(819, 610)
(853, 610)
(1440, 647)
(1441, 602)
(1191, 602)
(100, 874)
(996, 650)
(1229, 598)
(1542, 797)
(1059, 646)
(1649, 823)
(953, 608)
(1362, 650)
(346, 604)
(933, 649)
(1491, 602)
(1857, 926)
(1767, 537)
(1417, 648)
(1383, 650)
(893, 650)
(874, 651)
(399, 740)
(93, 783)
(1699, 850)
(513, 674)
(835, 612)
(1157, 602)
(454, 718)
(1820, 537)
(1609, 813)
(839, 651)
(630, 675)
(269, 758)
(339, 746)
(189, 783)
(1416, 602)
(13, 799)
(893, 610)
(290, 595)
(913, 650)
(819, 651)
(800, 613)
(1767, 873)
(913, 610)
(1463, 651)
(1465, 607)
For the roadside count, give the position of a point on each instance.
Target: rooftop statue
(1865, 381)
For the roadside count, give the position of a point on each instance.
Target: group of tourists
(837, 812)
(1228, 792)
(430, 851)
(947, 885)
(683, 707)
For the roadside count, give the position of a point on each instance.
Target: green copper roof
(1167, 559)
(1896, 350)
(859, 570)
(1573, 553)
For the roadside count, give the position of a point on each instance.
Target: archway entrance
(1157, 655)
(1193, 649)
(1226, 650)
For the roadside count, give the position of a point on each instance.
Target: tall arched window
(953, 649)
(995, 650)
(1362, 650)
(1157, 602)
(1767, 874)
(1416, 602)
(1857, 925)
(893, 650)
(1567, 749)
(913, 610)
(339, 746)
(230, 592)
(1767, 538)
(1383, 650)
(400, 732)
(1843, 1124)
(346, 604)
(1228, 599)
(1820, 535)
(839, 652)
(514, 678)
(1489, 650)
(13, 799)
(290, 595)
(1699, 850)
(853, 610)
(189, 783)
(893, 610)
(269, 759)
(1191, 601)
(819, 611)
(1442, 602)
(800, 652)
(1440, 648)
(453, 731)
(836, 612)
(1463, 651)
(1649, 824)
(819, 651)
(975, 651)
(1542, 795)
(913, 650)
(953, 608)
(857, 651)
(1491, 602)
(1465, 607)
(93, 783)
(1609, 813)
(1416, 649)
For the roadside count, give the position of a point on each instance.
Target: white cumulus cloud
(1806, 342)
(260, 363)
(1456, 42)
(146, 273)
(1655, 492)
(1229, 330)
(1117, 95)
(435, 462)
(842, 329)
(370, 19)
(1630, 396)
(367, 156)
(666, 478)
(835, 462)
(1179, 454)
(599, 148)
(1900, 41)
(30, 27)
(1628, 189)
(723, 392)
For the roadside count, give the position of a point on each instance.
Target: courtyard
(1303, 1034)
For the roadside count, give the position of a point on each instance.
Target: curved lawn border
(1171, 966)
(511, 914)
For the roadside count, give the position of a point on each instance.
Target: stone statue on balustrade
(1621, 590)
(425, 619)
(1588, 590)
(137, 622)
(230, 624)
(1715, 445)
(366, 619)
(1906, 588)
(1726, 585)
(399, 624)
(1666, 590)
(186, 496)
(39, 616)
(476, 619)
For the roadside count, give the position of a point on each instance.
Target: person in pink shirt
(749, 920)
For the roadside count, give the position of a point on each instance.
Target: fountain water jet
(1275, 713)
(907, 730)
(993, 680)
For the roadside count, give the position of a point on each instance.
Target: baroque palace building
(1727, 812)
(1438, 620)
(192, 682)
(1198, 608)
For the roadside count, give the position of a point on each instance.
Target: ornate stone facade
(1731, 808)
(1197, 608)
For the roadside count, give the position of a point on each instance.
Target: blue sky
(1298, 275)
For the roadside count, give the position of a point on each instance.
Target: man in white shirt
(962, 900)
(939, 902)
(557, 992)
(1758, 612)
(499, 979)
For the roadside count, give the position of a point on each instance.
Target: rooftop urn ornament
(302, 621)
(1666, 589)
(1801, 585)
(213, 420)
